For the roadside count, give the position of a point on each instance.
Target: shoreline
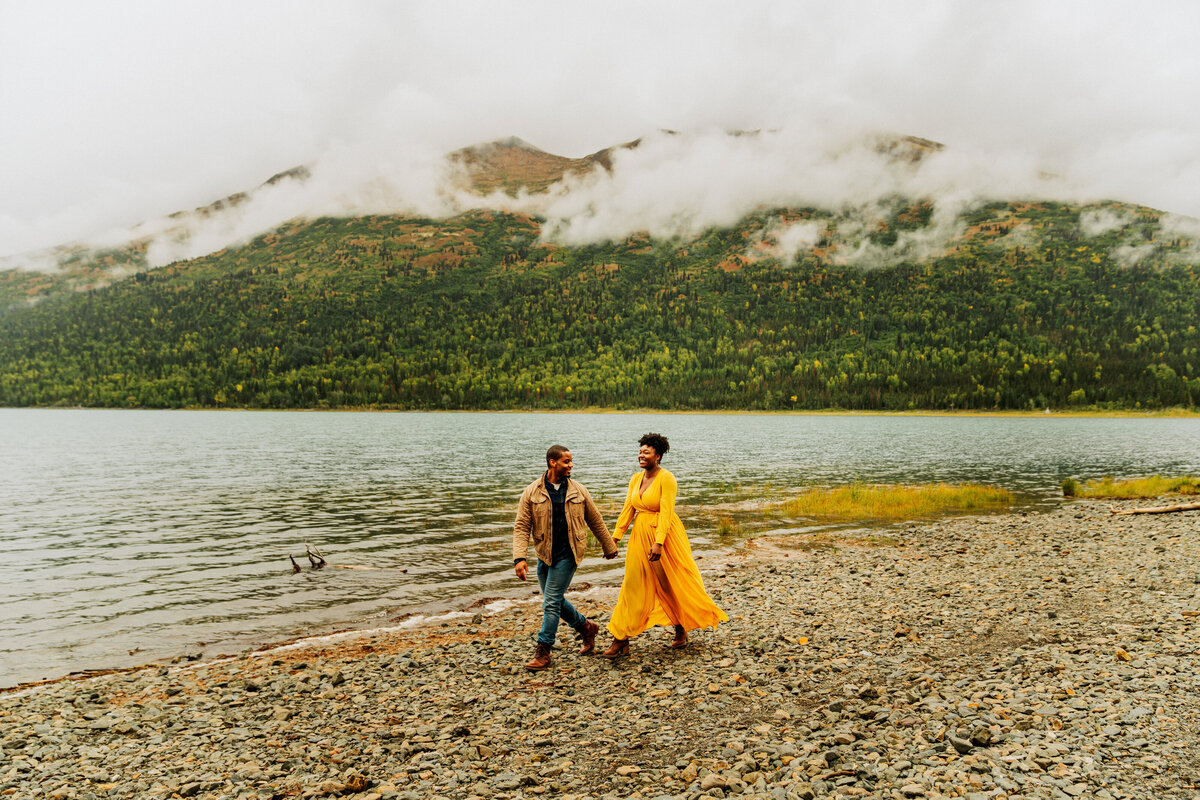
(403, 618)
(465, 605)
(1162, 413)
(398, 620)
(1047, 654)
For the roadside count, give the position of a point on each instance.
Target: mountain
(1017, 304)
(84, 266)
(507, 165)
(511, 165)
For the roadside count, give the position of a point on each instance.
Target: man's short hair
(555, 453)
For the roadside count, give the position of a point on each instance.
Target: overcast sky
(119, 112)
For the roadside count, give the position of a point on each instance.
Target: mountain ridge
(477, 311)
(1009, 305)
(509, 165)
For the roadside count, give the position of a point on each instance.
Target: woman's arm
(626, 512)
(666, 505)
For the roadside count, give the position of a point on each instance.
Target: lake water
(168, 532)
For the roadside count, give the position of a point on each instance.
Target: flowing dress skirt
(666, 592)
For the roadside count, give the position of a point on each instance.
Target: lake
(168, 532)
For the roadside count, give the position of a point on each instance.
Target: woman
(662, 584)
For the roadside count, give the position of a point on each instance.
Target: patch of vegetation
(728, 526)
(896, 502)
(1150, 486)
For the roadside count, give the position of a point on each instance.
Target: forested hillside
(1020, 310)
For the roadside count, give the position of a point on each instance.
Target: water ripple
(154, 532)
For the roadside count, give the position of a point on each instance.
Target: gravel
(1038, 655)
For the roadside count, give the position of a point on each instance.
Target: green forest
(479, 312)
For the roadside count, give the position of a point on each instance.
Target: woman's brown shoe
(681, 638)
(619, 647)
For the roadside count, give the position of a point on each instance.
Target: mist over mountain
(372, 96)
(668, 184)
(674, 271)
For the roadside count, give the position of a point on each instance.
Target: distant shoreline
(1167, 413)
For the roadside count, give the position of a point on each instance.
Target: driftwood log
(1157, 509)
(317, 560)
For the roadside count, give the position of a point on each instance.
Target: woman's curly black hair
(657, 441)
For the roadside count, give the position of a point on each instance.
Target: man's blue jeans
(554, 580)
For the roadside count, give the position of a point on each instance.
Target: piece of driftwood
(1157, 509)
(318, 561)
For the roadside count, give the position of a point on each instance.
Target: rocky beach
(1048, 654)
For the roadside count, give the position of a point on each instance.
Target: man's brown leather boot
(541, 658)
(590, 629)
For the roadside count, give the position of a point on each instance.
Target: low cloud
(681, 185)
(371, 95)
(784, 241)
(856, 246)
(339, 186)
(1128, 255)
(671, 185)
(1183, 232)
(1096, 222)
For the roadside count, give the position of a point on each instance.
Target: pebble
(1053, 654)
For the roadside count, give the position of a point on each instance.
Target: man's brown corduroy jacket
(535, 520)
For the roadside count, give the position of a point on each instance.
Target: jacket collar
(573, 487)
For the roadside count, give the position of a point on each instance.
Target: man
(557, 513)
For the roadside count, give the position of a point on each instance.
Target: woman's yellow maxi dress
(666, 592)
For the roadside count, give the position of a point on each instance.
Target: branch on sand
(1157, 509)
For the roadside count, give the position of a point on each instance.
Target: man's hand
(656, 552)
(611, 556)
(522, 569)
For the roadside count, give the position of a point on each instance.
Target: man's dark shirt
(561, 547)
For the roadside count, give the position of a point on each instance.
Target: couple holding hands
(662, 584)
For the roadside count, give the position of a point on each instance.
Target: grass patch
(1151, 486)
(728, 526)
(892, 502)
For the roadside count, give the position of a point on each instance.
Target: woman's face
(647, 457)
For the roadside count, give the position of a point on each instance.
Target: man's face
(561, 466)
